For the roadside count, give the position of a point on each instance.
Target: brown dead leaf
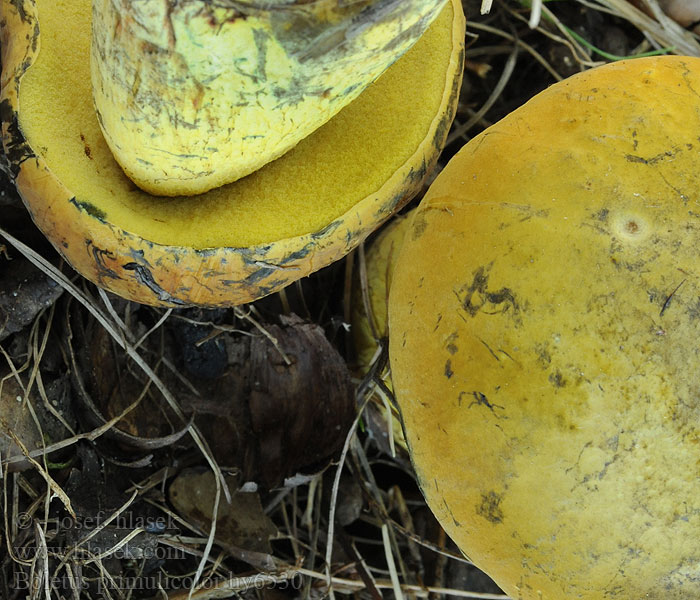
(242, 527)
(108, 385)
(283, 405)
(108, 521)
(26, 419)
(271, 401)
(24, 292)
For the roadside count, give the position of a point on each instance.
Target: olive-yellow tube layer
(192, 94)
(237, 242)
(544, 318)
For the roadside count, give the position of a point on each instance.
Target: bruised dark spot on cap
(90, 209)
(557, 379)
(543, 355)
(86, 148)
(419, 226)
(602, 215)
(450, 343)
(476, 297)
(448, 369)
(490, 507)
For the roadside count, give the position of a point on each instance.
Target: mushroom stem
(193, 94)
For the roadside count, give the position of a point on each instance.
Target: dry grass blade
(578, 51)
(662, 30)
(115, 317)
(485, 27)
(395, 583)
(486, 6)
(41, 263)
(350, 586)
(94, 532)
(535, 14)
(462, 129)
(164, 317)
(227, 588)
(364, 288)
(334, 493)
(42, 558)
(65, 443)
(246, 315)
(381, 391)
(535, 11)
(55, 488)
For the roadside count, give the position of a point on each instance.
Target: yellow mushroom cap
(238, 242)
(544, 317)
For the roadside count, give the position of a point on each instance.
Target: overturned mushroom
(237, 242)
